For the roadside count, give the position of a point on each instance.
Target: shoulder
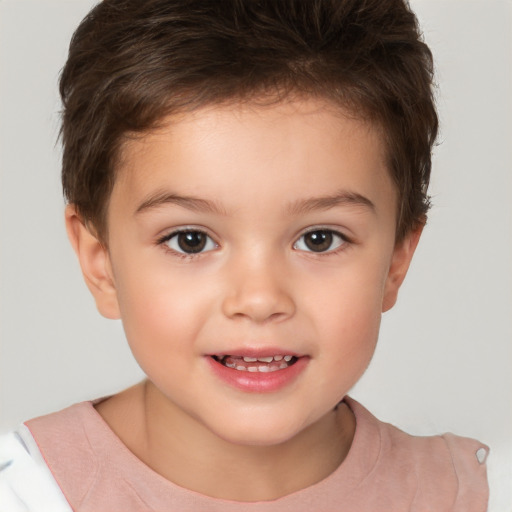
(26, 483)
(64, 441)
(447, 467)
(446, 470)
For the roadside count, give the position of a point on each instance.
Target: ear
(95, 263)
(400, 261)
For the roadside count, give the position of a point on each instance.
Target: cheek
(350, 336)
(352, 329)
(348, 313)
(161, 315)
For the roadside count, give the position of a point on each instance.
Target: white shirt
(26, 483)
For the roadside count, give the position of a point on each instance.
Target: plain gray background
(444, 360)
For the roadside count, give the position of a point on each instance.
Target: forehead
(251, 150)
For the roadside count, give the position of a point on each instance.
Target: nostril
(259, 307)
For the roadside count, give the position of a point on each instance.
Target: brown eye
(190, 242)
(319, 240)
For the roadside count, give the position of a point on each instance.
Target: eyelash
(345, 241)
(166, 238)
(343, 245)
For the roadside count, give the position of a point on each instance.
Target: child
(246, 185)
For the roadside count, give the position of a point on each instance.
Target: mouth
(265, 364)
(258, 370)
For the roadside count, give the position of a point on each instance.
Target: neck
(185, 452)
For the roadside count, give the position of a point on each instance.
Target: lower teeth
(261, 368)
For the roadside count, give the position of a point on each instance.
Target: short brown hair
(133, 62)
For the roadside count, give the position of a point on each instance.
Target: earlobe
(402, 256)
(95, 264)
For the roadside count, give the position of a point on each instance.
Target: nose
(260, 292)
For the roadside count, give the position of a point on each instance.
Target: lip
(258, 352)
(258, 382)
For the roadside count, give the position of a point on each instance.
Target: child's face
(292, 215)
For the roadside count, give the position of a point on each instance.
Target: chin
(257, 439)
(257, 433)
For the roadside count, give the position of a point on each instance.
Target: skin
(256, 284)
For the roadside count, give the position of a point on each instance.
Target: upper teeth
(268, 359)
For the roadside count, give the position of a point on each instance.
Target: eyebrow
(191, 203)
(302, 206)
(341, 198)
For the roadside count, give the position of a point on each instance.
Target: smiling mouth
(257, 364)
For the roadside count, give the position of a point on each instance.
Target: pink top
(385, 470)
